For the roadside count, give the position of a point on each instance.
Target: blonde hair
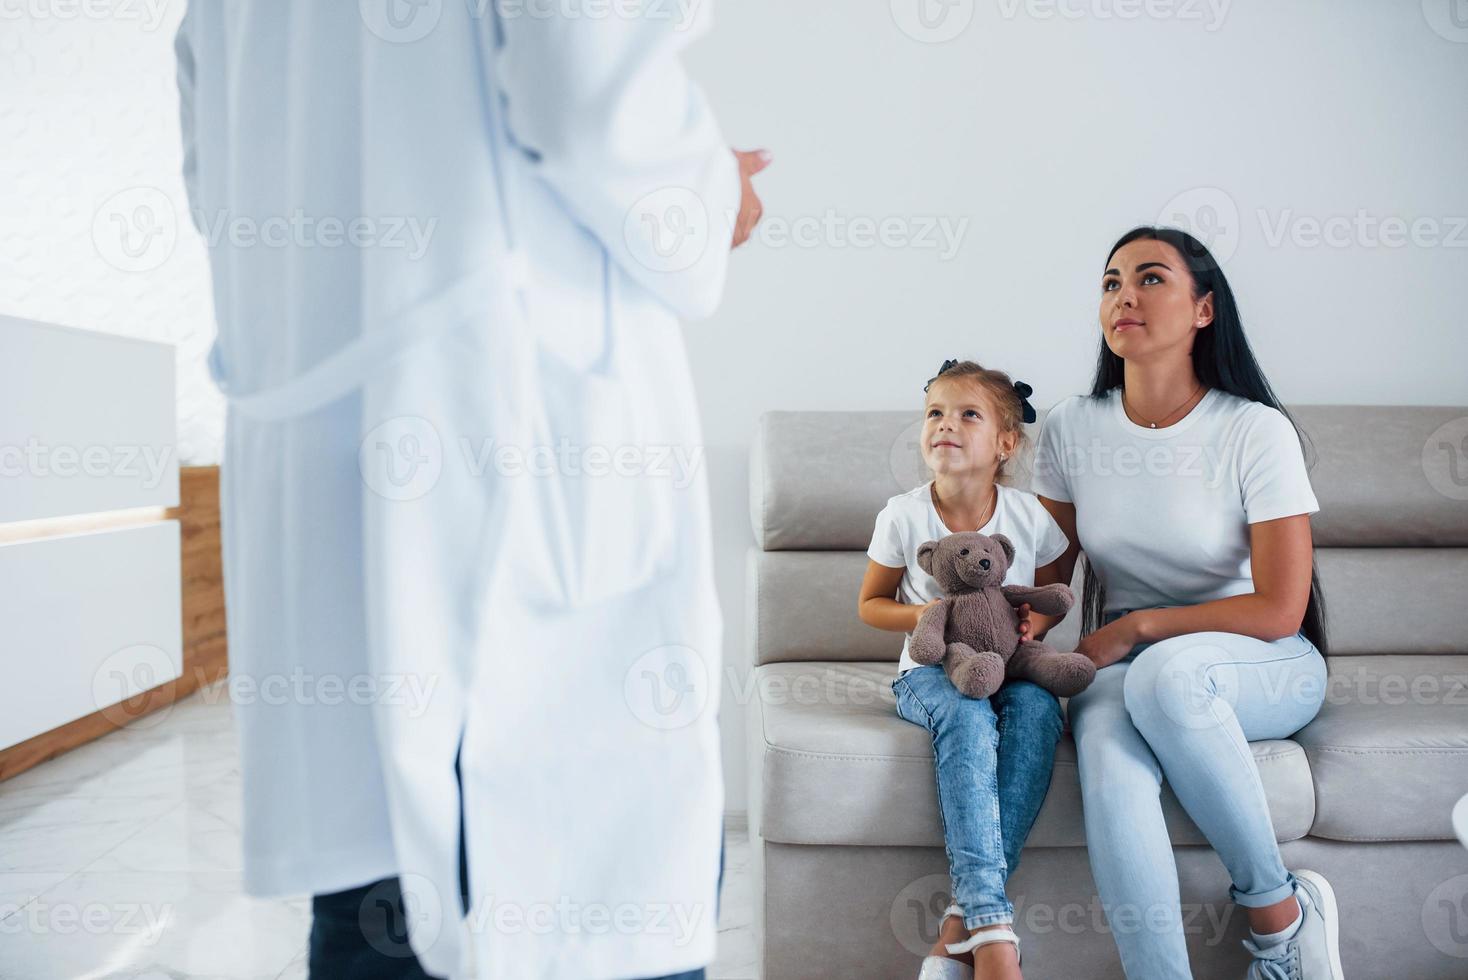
(1003, 395)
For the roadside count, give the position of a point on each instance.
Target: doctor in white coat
(465, 512)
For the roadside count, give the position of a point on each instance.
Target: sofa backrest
(1391, 536)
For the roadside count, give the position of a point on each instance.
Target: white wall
(1047, 135)
(94, 228)
(1052, 137)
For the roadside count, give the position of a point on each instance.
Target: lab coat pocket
(607, 517)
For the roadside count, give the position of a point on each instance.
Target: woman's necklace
(1127, 405)
(993, 501)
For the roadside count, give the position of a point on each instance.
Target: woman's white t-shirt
(1163, 514)
(910, 519)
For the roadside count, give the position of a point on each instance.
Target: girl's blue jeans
(993, 758)
(1185, 708)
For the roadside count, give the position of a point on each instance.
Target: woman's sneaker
(1313, 952)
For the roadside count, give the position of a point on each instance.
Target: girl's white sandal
(985, 938)
(941, 967)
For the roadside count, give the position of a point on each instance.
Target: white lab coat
(394, 586)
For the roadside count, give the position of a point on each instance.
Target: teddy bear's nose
(984, 564)
(964, 553)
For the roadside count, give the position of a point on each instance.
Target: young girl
(993, 756)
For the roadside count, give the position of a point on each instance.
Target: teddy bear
(974, 630)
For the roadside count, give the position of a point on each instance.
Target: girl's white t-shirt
(910, 519)
(1163, 514)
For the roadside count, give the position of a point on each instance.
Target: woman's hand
(1110, 643)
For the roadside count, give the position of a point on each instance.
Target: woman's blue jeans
(1185, 708)
(993, 758)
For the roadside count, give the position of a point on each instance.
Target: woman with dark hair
(1182, 479)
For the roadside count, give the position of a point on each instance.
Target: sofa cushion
(1389, 749)
(838, 766)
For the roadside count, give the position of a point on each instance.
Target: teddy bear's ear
(925, 555)
(1008, 547)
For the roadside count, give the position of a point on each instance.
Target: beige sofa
(848, 860)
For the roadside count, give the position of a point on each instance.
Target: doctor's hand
(751, 162)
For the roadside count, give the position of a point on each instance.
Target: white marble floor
(121, 859)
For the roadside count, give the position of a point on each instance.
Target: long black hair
(1221, 359)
